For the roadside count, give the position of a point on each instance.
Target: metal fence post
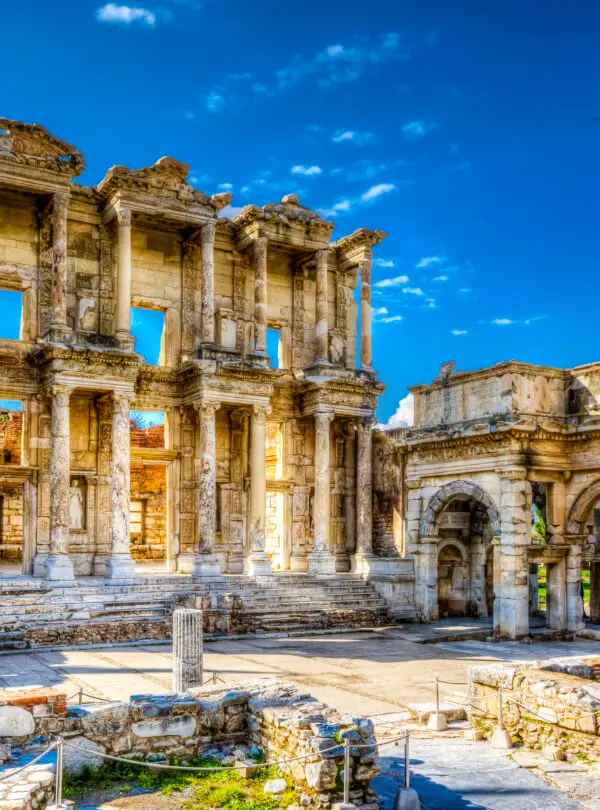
(407, 761)
(500, 718)
(60, 758)
(437, 695)
(80, 695)
(346, 771)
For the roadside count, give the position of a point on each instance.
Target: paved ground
(376, 673)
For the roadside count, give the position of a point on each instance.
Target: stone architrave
(120, 564)
(322, 559)
(208, 282)
(187, 649)
(364, 497)
(511, 565)
(59, 566)
(260, 295)
(60, 208)
(322, 327)
(259, 562)
(366, 324)
(123, 319)
(206, 563)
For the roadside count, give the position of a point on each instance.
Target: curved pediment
(33, 145)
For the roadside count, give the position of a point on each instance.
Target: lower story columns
(120, 564)
(363, 558)
(205, 562)
(322, 559)
(259, 562)
(511, 565)
(59, 566)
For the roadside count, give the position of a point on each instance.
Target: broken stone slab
(527, 759)
(563, 767)
(15, 722)
(179, 726)
(80, 753)
(275, 786)
(422, 711)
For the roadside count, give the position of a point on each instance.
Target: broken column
(59, 566)
(187, 649)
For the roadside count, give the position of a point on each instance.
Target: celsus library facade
(265, 473)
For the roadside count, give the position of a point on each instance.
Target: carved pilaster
(58, 565)
(120, 565)
(260, 295)
(188, 286)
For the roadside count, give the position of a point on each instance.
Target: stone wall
(544, 703)
(11, 522)
(11, 426)
(149, 488)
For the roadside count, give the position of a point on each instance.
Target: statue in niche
(76, 507)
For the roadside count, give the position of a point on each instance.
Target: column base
(372, 565)
(321, 564)
(259, 565)
(120, 566)
(185, 562)
(299, 563)
(126, 340)
(206, 566)
(59, 568)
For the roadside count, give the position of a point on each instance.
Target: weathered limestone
(260, 295)
(120, 564)
(208, 282)
(60, 208)
(511, 581)
(259, 563)
(59, 566)
(187, 649)
(205, 562)
(366, 315)
(322, 559)
(364, 498)
(322, 308)
(123, 308)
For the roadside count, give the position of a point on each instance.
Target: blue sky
(464, 129)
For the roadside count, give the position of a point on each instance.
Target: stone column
(208, 282)
(426, 579)
(322, 328)
(120, 564)
(595, 592)
(322, 560)
(533, 589)
(365, 315)
(574, 606)
(60, 208)
(187, 649)
(364, 497)
(59, 566)
(478, 558)
(259, 563)
(260, 295)
(123, 319)
(206, 563)
(511, 566)
(556, 595)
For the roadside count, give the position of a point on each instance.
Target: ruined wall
(388, 497)
(149, 489)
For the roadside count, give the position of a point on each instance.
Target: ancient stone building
(265, 462)
(460, 494)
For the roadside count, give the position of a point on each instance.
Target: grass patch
(223, 788)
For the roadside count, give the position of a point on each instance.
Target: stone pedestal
(259, 563)
(187, 649)
(206, 564)
(321, 564)
(59, 567)
(120, 564)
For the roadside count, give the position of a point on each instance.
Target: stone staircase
(32, 614)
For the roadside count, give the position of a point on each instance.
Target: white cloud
(414, 291)
(343, 206)
(502, 321)
(418, 129)
(339, 64)
(427, 260)
(376, 191)
(380, 311)
(534, 319)
(398, 281)
(214, 101)
(384, 263)
(124, 15)
(405, 413)
(391, 319)
(464, 290)
(260, 88)
(351, 136)
(441, 278)
(232, 211)
(307, 171)
(225, 186)
(459, 332)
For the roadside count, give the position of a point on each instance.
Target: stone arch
(449, 491)
(581, 508)
(457, 544)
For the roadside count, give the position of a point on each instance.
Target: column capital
(322, 254)
(367, 422)
(60, 202)
(124, 215)
(260, 412)
(60, 389)
(122, 400)
(207, 408)
(324, 415)
(512, 475)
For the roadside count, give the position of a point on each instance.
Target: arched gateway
(454, 552)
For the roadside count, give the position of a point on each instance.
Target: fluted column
(322, 560)
(206, 563)
(120, 564)
(260, 295)
(259, 563)
(208, 282)
(123, 309)
(187, 649)
(365, 315)
(60, 208)
(59, 565)
(364, 495)
(322, 329)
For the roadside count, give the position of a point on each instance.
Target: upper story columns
(260, 294)
(322, 306)
(123, 303)
(366, 315)
(208, 282)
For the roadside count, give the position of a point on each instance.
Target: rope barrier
(10, 774)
